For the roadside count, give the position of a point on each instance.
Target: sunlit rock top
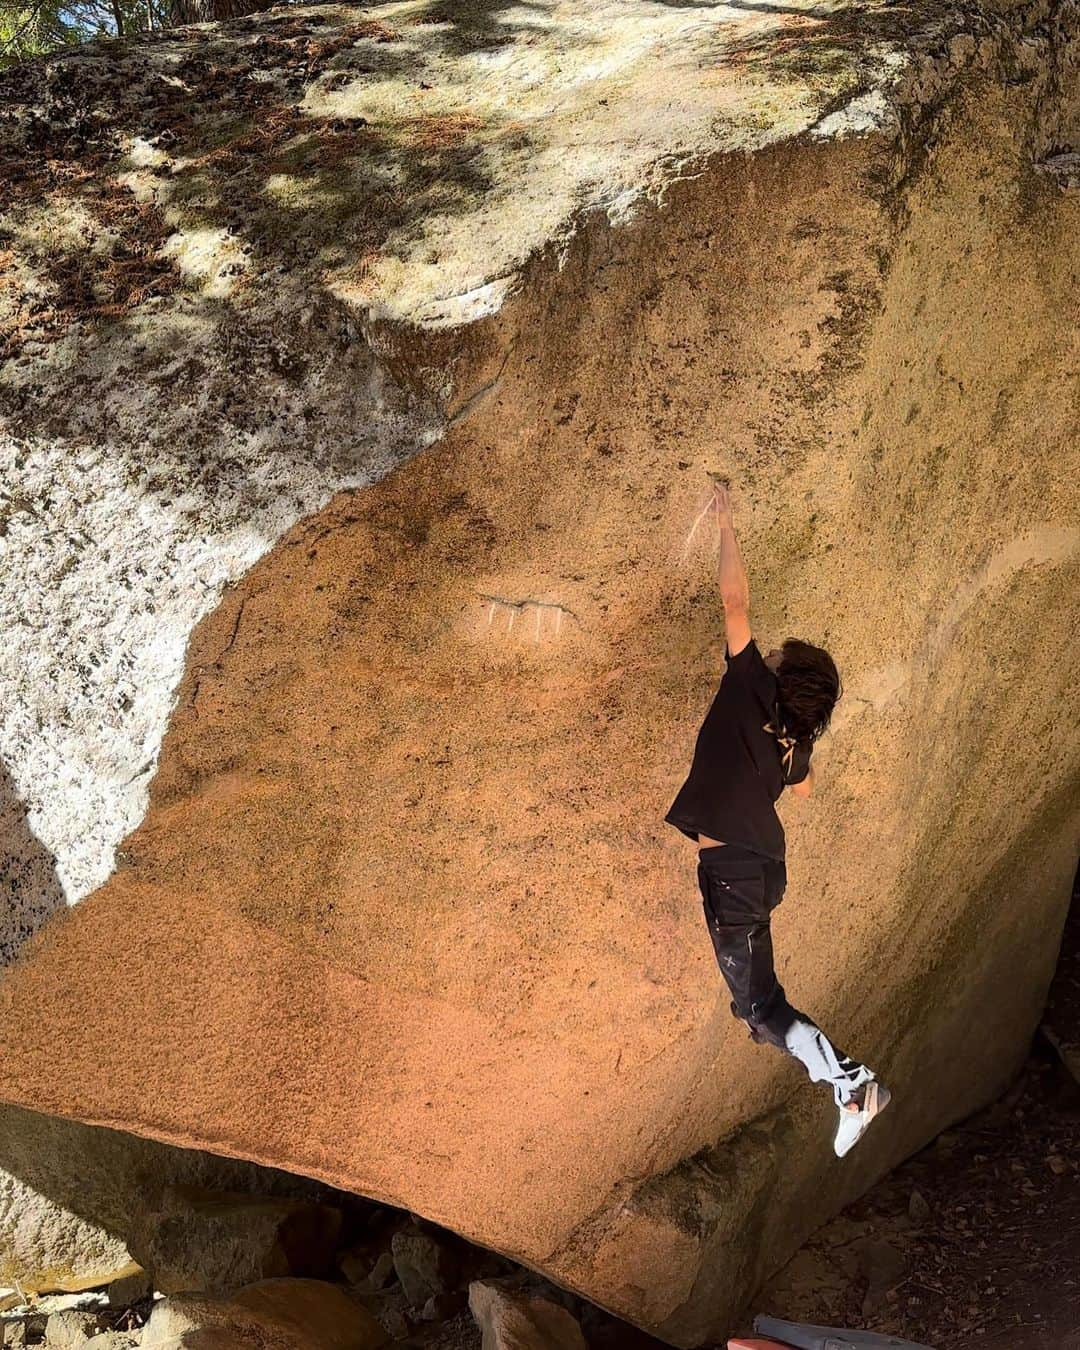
(418, 153)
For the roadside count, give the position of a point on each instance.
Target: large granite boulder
(364, 792)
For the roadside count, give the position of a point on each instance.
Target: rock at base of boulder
(513, 1321)
(1067, 1050)
(424, 1266)
(919, 1210)
(130, 1289)
(392, 1312)
(218, 1242)
(74, 1199)
(268, 1315)
(366, 1267)
(45, 1247)
(70, 1329)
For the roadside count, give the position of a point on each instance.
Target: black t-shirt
(740, 765)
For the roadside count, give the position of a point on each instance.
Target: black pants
(740, 889)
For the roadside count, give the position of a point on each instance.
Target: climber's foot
(855, 1116)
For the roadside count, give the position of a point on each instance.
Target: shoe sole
(878, 1097)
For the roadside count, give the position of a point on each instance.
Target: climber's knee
(745, 1017)
(771, 1019)
(761, 1032)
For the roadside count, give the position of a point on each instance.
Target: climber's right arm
(734, 586)
(804, 786)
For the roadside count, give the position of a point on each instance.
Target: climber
(756, 740)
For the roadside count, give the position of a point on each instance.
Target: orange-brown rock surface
(402, 913)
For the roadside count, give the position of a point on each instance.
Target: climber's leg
(824, 1063)
(739, 892)
(744, 952)
(859, 1097)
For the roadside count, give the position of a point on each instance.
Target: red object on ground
(755, 1343)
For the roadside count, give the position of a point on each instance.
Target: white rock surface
(107, 562)
(43, 1245)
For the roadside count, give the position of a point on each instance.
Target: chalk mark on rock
(516, 607)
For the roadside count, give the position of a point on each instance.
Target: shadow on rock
(30, 892)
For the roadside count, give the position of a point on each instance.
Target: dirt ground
(975, 1242)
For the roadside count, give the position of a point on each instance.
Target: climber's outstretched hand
(722, 503)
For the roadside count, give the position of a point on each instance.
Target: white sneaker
(854, 1124)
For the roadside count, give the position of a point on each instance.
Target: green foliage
(31, 27)
(28, 30)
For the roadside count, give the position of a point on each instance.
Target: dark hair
(809, 686)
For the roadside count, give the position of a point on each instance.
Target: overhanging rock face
(401, 912)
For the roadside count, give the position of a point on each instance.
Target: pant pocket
(737, 897)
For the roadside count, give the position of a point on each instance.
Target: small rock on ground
(511, 1321)
(424, 1266)
(364, 1267)
(70, 1329)
(129, 1289)
(918, 1207)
